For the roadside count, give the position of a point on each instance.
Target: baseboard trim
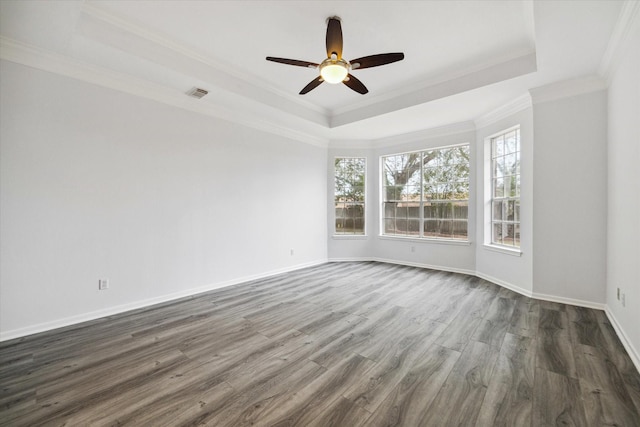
(94, 315)
(570, 301)
(429, 266)
(407, 263)
(626, 342)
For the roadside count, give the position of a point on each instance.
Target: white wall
(623, 201)
(569, 197)
(506, 269)
(163, 202)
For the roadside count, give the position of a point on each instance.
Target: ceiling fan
(336, 69)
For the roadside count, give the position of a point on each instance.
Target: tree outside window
(426, 193)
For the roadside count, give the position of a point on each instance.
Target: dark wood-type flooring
(341, 344)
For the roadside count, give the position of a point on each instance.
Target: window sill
(503, 250)
(426, 240)
(349, 236)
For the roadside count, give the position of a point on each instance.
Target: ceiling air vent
(196, 92)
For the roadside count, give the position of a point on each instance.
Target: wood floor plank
(461, 396)
(384, 376)
(607, 400)
(340, 412)
(311, 402)
(615, 352)
(583, 324)
(339, 344)
(554, 350)
(407, 404)
(525, 318)
(495, 323)
(469, 316)
(508, 400)
(557, 400)
(266, 395)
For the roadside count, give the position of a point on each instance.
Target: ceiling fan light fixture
(333, 71)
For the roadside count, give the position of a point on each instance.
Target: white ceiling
(463, 59)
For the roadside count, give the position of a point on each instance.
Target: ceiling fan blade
(376, 60)
(292, 62)
(312, 85)
(334, 37)
(355, 84)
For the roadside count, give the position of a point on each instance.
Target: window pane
(510, 214)
(496, 210)
(460, 229)
(510, 145)
(446, 210)
(401, 211)
(510, 165)
(389, 210)
(505, 182)
(498, 166)
(511, 184)
(389, 226)
(461, 190)
(430, 211)
(401, 226)
(348, 226)
(461, 211)
(498, 187)
(430, 227)
(413, 227)
(429, 182)
(497, 233)
(498, 146)
(446, 228)
(349, 195)
(508, 235)
(413, 210)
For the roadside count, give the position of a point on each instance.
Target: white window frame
(337, 234)
(421, 237)
(489, 196)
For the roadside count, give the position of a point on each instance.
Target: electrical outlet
(103, 284)
(413, 248)
(618, 294)
(291, 252)
(624, 300)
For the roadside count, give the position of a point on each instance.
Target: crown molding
(112, 30)
(346, 144)
(567, 88)
(35, 57)
(437, 132)
(392, 141)
(620, 39)
(519, 104)
(440, 87)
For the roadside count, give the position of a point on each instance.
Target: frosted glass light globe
(334, 71)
